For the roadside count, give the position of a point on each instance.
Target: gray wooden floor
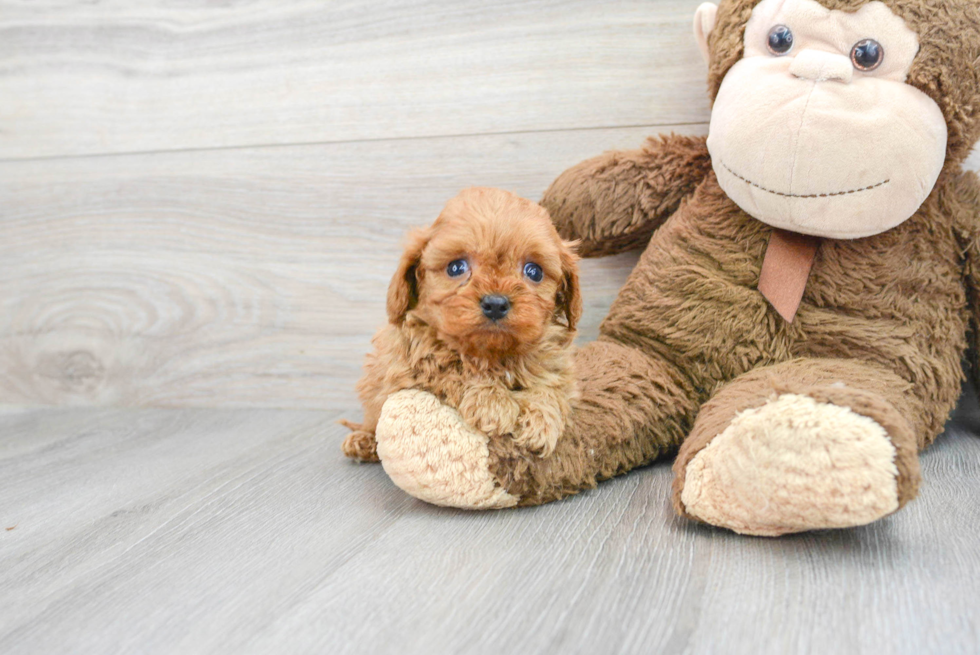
(230, 531)
(200, 207)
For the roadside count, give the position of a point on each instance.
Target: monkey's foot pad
(791, 465)
(429, 452)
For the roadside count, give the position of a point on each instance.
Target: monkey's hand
(614, 202)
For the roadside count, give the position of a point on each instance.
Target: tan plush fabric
(793, 464)
(944, 69)
(414, 421)
(804, 142)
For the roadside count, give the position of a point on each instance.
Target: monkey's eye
(457, 267)
(780, 40)
(867, 55)
(533, 272)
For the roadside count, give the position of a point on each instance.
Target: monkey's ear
(568, 300)
(704, 22)
(403, 292)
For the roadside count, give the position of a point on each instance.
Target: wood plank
(229, 278)
(92, 497)
(110, 77)
(160, 531)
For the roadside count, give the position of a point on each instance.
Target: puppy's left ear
(568, 300)
(403, 292)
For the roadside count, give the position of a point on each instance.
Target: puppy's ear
(403, 292)
(568, 301)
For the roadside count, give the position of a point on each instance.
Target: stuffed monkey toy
(810, 283)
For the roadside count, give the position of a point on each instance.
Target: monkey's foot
(429, 452)
(793, 464)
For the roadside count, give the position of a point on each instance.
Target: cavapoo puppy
(482, 313)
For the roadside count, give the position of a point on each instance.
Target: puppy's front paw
(540, 429)
(361, 445)
(490, 408)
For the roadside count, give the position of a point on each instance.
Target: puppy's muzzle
(495, 307)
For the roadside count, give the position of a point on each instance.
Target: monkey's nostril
(495, 307)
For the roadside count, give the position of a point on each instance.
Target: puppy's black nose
(495, 307)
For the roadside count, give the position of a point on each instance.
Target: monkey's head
(836, 118)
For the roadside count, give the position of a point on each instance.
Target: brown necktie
(785, 269)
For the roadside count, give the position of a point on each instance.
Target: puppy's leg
(360, 444)
(544, 412)
(386, 371)
(490, 407)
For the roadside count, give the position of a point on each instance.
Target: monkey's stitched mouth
(804, 195)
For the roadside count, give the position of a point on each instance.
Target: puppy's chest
(448, 375)
(510, 381)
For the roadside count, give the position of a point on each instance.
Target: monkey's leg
(803, 445)
(632, 408)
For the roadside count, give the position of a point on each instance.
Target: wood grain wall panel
(239, 277)
(121, 76)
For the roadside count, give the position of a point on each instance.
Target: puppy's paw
(490, 408)
(540, 429)
(361, 445)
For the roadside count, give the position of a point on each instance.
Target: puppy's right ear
(403, 292)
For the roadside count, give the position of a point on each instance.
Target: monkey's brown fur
(510, 377)
(884, 322)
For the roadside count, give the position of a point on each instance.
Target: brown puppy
(482, 313)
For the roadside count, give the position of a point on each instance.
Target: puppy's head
(490, 275)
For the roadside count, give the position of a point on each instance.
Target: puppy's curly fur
(509, 376)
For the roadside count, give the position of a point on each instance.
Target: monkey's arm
(963, 200)
(614, 202)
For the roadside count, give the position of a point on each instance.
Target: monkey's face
(814, 130)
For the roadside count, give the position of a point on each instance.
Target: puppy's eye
(533, 272)
(457, 267)
(780, 40)
(867, 55)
